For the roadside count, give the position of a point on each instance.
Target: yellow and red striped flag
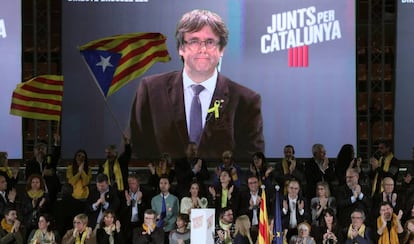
(116, 60)
(39, 98)
(264, 234)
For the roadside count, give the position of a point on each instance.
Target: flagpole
(104, 98)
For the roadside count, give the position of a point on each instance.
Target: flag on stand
(39, 98)
(263, 220)
(116, 60)
(277, 224)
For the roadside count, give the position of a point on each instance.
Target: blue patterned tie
(196, 124)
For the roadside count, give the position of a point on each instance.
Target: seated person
(303, 235)
(149, 233)
(45, 233)
(182, 234)
(11, 232)
(357, 232)
(80, 233)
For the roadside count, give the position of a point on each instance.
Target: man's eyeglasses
(197, 44)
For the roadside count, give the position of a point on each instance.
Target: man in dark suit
(318, 169)
(101, 198)
(295, 209)
(163, 116)
(133, 206)
(350, 197)
(7, 198)
(250, 204)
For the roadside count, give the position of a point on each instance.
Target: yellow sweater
(80, 182)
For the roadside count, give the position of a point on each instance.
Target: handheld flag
(116, 60)
(263, 220)
(277, 224)
(160, 222)
(39, 98)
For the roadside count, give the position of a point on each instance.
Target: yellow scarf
(159, 170)
(285, 166)
(388, 237)
(117, 173)
(49, 237)
(35, 194)
(361, 231)
(6, 226)
(79, 240)
(386, 167)
(224, 193)
(7, 170)
(145, 227)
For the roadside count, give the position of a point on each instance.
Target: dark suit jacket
(111, 197)
(158, 121)
(299, 218)
(185, 177)
(314, 175)
(345, 206)
(367, 239)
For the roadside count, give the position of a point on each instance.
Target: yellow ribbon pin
(215, 108)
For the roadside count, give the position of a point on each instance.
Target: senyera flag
(116, 60)
(264, 234)
(39, 98)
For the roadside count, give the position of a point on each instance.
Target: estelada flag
(39, 98)
(116, 60)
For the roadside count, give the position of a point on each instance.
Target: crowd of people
(321, 200)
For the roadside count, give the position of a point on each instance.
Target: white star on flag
(104, 63)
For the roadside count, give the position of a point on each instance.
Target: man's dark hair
(224, 210)
(101, 178)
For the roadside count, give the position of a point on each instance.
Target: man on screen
(197, 103)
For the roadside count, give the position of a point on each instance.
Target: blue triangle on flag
(103, 65)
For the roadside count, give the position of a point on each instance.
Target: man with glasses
(350, 197)
(198, 103)
(357, 231)
(148, 233)
(225, 228)
(250, 204)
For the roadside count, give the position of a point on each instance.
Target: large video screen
(299, 56)
(10, 69)
(404, 85)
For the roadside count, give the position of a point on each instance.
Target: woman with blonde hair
(303, 236)
(321, 202)
(81, 233)
(242, 230)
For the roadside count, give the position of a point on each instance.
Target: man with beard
(386, 166)
(389, 228)
(116, 168)
(45, 165)
(10, 229)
